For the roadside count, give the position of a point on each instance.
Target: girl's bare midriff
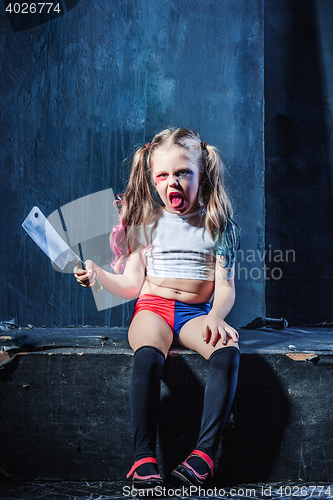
(189, 291)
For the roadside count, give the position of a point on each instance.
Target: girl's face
(176, 177)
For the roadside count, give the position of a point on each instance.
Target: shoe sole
(147, 485)
(183, 479)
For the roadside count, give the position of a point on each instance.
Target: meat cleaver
(48, 240)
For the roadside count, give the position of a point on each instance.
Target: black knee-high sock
(219, 395)
(145, 398)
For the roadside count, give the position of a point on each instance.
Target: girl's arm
(214, 326)
(126, 285)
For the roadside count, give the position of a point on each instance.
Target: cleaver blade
(48, 240)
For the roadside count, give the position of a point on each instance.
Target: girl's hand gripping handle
(87, 277)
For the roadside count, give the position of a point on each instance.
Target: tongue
(176, 201)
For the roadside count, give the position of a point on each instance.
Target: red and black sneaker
(141, 480)
(188, 475)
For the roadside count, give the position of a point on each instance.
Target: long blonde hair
(138, 205)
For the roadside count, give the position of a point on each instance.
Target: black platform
(65, 412)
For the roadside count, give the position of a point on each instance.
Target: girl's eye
(182, 173)
(162, 176)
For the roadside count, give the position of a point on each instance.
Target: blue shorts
(174, 312)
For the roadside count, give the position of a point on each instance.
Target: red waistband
(152, 297)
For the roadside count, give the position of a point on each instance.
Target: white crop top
(180, 247)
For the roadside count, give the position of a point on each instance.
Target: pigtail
(136, 208)
(219, 222)
(138, 204)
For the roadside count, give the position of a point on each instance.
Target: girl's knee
(140, 340)
(219, 347)
(155, 333)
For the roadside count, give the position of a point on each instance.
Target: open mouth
(177, 201)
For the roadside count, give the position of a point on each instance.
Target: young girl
(176, 257)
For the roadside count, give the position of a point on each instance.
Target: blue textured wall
(80, 92)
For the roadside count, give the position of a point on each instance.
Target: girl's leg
(219, 392)
(148, 328)
(150, 337)
(191, 337)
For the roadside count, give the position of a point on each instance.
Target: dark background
(80, 92)
(298, 145)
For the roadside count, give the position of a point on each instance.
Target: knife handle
(97, 286)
